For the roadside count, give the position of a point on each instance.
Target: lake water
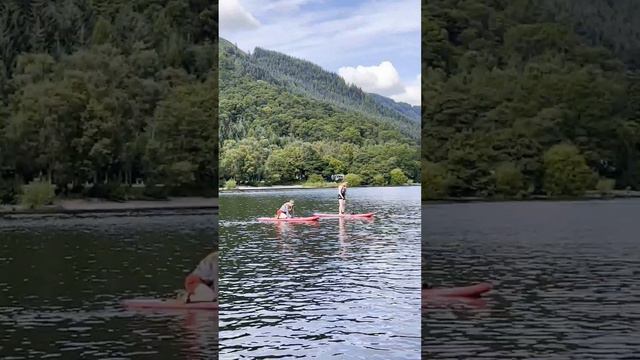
(566, 276)
(62, 280)
(345, 289)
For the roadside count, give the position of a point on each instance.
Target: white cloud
(412, 93)
(381, 79)
(334, 35)
(284, 5)
(234, 17)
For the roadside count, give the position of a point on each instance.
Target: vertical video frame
(108, 179)
(530, 160)
(319, 175)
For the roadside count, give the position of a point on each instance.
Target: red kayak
(168, 304)
(367, 215)
(464, 291)
(295, 219)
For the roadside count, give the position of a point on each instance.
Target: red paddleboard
(168, 304)
(294, 219)
(367, 215)
(463, 291)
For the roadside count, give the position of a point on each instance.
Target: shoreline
(615, 195)
(93, 205)
(297, 187)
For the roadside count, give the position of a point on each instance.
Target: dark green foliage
(566, 172)
(8, 192)
(379, 180)
(353, 179)
(397, 177)
(304, 78)
(37, 194)
(508, 80)
(509, 180)
(434, 181)
(409, 111)
(156, 192)
(315, 179)
(283, 120)
(107, 92)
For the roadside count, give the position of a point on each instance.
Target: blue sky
(374, 44)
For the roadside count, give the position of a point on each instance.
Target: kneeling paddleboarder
(285, 211)
(202, 283)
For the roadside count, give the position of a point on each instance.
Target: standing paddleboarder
(342, 197)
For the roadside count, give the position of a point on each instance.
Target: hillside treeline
(530, 97)
(109, 92)
(273, 133)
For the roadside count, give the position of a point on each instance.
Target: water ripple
(61, 282)
(340, 289)
(565, 275)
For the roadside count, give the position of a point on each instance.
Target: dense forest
(284, 120)
(108, 92)
(308, 79)
(530, 97)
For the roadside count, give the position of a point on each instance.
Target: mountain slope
(409, 111)
(306, 78)
(612, 24)
(277, 127)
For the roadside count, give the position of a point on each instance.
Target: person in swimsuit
(285, 211)
(342, 197)
(202, 284)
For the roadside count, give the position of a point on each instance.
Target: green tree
(566, 171)
(398, 177)
(37, 194)
(353, 179)
(379, 180)
(509, 180)
(434, 181)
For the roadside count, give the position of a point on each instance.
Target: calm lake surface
(62, 280)
(345, 289)
(566, 276)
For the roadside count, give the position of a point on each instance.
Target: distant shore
(91, 205)
(294, 187)
(590, 196)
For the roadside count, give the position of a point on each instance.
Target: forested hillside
(408, 111)
(284, 120)
(108, 91)
(530, 97)
(306, 78)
